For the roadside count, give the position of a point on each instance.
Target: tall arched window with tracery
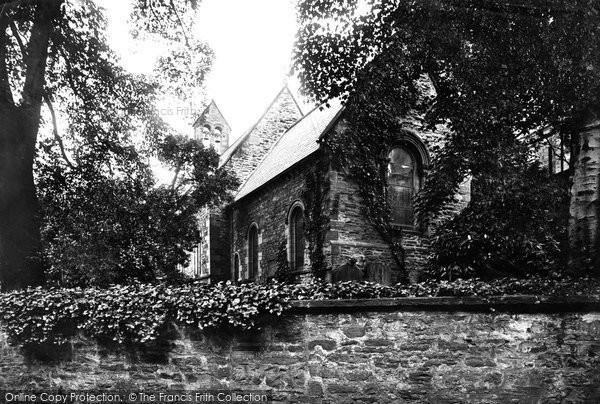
(296, 238)
(403, 183)
(253, 251)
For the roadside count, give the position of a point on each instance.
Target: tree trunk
(20, 246)
(20, 263)
(584, 237)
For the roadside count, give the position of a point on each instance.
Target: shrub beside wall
(147, 314)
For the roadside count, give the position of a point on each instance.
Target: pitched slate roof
(299, 142)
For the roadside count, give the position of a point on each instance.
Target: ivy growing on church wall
(373, 115)
(316, 221)
(283, 272)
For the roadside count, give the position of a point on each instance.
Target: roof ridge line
(281, 137)
(220, 113)
(272, 146)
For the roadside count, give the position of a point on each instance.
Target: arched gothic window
(296, 238)
(403, 183)
(253, 252)
(206, 131)
(218, 132)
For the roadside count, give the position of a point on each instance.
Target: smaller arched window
(218, 132)
(296, 238)
(253, 251)
(403, 183)
(206, 131)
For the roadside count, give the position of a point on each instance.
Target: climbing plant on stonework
(315, 220)
(504, 72)
(373, 112)
(283, 272)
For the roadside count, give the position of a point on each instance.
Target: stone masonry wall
(214, 224)
(398, 356)
(269, 209)
(351, 235)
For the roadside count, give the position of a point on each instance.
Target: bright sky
(252, 41)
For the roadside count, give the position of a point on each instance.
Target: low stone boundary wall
(522, 349)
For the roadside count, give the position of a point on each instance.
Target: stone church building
(265, 222)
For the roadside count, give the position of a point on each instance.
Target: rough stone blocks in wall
(269, 209)
(377, 357)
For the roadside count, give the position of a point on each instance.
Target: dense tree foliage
(519, 229)
(101, 205)
(503, 73)
(102, 228)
